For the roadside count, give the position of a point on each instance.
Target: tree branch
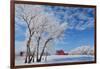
(44, 47)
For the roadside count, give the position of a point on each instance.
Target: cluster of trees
(42, 29)
(83, 50)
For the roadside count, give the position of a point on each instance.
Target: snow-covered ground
(57, 59)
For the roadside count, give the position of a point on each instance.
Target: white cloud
(77, 18)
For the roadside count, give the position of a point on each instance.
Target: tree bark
(33, 56)
(38, 41)
(44, 49)
(28, 52)
(46, 56)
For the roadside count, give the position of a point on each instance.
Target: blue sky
(80, 30)
(75, 39)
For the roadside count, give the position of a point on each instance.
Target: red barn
(60, 52)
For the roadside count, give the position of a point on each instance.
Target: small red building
(60, 52)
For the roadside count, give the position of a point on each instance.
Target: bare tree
(49, 50)
(82, 50)
(48, 30)
(41, 28)
(26, 15)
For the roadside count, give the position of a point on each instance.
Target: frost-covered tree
(42, 28)
(83, 50)
(91, 51)
(54, 31)
(47, 28)
(25, 15)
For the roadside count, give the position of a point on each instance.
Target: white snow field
(57, 59)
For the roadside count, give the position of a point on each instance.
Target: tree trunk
(37, 57)
(33, 56)
(27, 55)
(44, 49)
(28, 52)
(46, 56)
